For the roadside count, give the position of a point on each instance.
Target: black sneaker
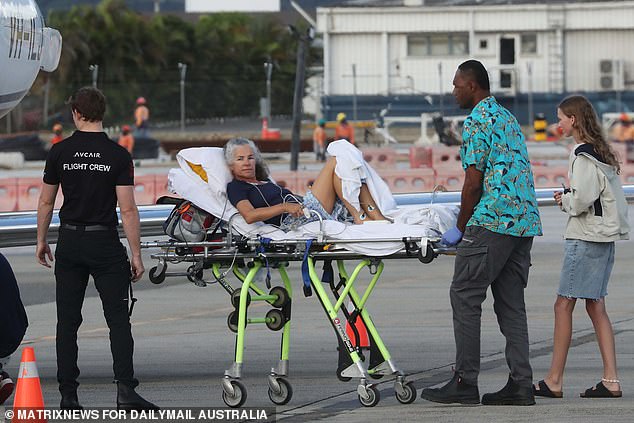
(6, 386)
(511, 394)
(455, 391)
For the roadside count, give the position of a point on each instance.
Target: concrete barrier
(28, 193)
(420, 157)
(160, 186)
(409, 180)
(449, 178)
(8, 194)
(446, 157)
(550, 176)
(380, 157)
(144, 189)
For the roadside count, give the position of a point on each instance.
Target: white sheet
(353, 169)
(430, 221)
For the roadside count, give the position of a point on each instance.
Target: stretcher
(244, 251)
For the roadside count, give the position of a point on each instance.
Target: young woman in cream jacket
(597, 216)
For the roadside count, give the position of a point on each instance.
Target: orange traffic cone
(364, 340)
(28, 398)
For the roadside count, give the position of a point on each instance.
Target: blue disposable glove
(451, 237)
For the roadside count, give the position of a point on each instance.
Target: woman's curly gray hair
(261, 169)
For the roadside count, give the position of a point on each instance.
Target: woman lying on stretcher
(258, 199)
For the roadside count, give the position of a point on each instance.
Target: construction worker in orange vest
(141, 117)
(319, 141)
(126, 139)
(57, 130)
(343, 130)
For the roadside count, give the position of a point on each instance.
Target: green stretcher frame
(383, 365)
(352, 363)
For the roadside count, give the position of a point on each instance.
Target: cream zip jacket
(596, 204)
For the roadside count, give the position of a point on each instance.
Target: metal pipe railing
(20, 228)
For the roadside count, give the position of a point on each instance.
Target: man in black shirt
(95, 173)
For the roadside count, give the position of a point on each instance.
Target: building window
(528, 43)
(417, 46)
(455, 44)
(484, 44)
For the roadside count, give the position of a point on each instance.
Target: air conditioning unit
(611, 75)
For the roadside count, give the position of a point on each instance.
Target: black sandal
(600, 391)
(545, 391)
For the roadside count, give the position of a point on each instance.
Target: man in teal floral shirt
(494, 235)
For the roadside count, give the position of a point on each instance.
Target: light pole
(299, 90)
(95, 73)
(354, 92)
(268, 70)
(440, 88)
(183, 68)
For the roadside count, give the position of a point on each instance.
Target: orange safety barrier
(144, 189)
(28, 193)
(450, 178)
(380, 157)
(446, 157)
(409, 180)
(8, 194)
(550, 176)
(420, 157)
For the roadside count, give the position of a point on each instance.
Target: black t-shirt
(89, 166)
(260, 195)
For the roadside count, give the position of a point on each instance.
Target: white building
(213, 6)
(415, 48)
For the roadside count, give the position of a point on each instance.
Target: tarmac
(183, 345)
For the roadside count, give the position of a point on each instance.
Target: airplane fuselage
(26, 46)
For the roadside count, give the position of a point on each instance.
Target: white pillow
(212, 160)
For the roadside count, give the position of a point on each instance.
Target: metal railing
(20, 228)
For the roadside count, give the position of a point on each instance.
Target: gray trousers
(502, 261)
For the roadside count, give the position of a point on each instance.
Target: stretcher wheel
(373, 397)
(278, 319)
(282, 296)
(193, 274)
(429, 255)
(232, 321)
(235, 298)
(239, 395)
(408, 395)
(284, 395)
(376, 375)
(157, 278)
(341, 377)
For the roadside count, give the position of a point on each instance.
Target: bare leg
(605, 338)
(327, 188)
(369, 205)
(561, 342)
(322, 188)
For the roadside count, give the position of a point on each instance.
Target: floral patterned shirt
(493, 142)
